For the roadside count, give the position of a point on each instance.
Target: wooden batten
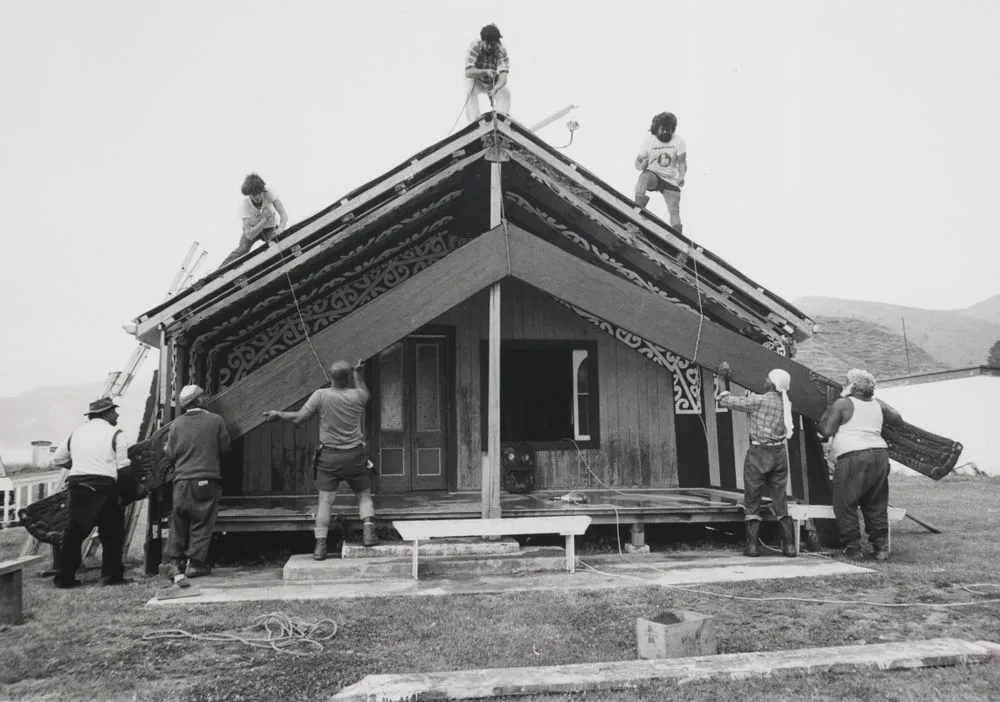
(711, 427)
(741, 438)
(364, 333)
(491, 478)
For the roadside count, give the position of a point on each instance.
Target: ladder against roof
(117, 383)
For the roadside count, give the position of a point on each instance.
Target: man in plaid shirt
(486, 69)
(766, 463)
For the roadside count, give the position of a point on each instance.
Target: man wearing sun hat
(93, 454)
(766, 463)
(194, 446)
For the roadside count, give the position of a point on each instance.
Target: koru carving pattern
(686, 375)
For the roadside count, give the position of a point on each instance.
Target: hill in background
(956, 338)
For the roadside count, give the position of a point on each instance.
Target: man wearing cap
(861, 477)
(93, 454)
(341, 454)
(486, 69)
(766, 463)
(194, 445)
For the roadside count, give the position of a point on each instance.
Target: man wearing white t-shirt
(662, 161)
(262, 213)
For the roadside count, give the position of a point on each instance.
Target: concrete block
(676, 634)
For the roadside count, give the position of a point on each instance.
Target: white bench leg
(570, 553)
(416, 550)
(798, 535)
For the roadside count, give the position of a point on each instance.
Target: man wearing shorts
(662, 161)
(341, 455)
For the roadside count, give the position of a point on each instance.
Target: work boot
(787, 525)
(881, 551)
(368, 533)
(319, 550)
(173, 568)
(196, 569)
(753, 529)
(853, 553)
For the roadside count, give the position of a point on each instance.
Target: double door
(411, 418)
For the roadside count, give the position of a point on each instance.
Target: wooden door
(412, 418)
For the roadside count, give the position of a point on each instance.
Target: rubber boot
(319, 551)
(787, 525)
(881, 551)
(753, 530)
(368, 533)
(641, 199)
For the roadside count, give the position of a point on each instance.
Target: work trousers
(473, 89)
(196, 506)
(765, 466)
(88, 507)
(861, 479)
(246, 242)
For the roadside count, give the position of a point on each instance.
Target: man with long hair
(486, 69)
(262, 213)
(662, 161)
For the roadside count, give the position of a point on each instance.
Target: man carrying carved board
(766, 463)
(861, 477)
(341, 454)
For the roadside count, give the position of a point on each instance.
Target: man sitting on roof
(861, 478)
(261, 211)
(663, 161)
(766, 463)
(341, 453)
(486, 69)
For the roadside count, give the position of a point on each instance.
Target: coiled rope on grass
(283, 633)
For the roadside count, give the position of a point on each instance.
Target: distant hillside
(842, 344)
(988, 309)
(955, 338)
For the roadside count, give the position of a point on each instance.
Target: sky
(840, 149)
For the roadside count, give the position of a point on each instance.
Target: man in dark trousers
(195, 443)
(861, 478)
(93, 454)
(341, 455)
(766, 462)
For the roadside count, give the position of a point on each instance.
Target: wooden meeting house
(501, 294)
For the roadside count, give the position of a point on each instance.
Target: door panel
(413, 431)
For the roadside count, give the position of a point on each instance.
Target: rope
(282, 634)
(298, 309)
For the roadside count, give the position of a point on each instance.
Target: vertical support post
(416, 552)
(570, 553)
(154, 536)
(803, 463)
(11, 607)
(639, 534)
(711, 427)
(491, 476)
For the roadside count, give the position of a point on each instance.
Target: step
(474, 546)
(528, 560)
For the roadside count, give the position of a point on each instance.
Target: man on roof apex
(662, 161)
(262, 213)
(486, 69)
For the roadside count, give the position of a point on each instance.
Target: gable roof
(444, 191)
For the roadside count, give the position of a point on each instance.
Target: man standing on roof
(861, 478)
(486, 69)
(194, 445)
(93, 454)
(662, 161)
(766, 463)
(262, 213)
(341, 452)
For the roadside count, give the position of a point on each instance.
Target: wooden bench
(11, 611)
(800, 513)
(569, 526)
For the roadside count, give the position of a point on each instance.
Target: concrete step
(528, 560)
(437, 547)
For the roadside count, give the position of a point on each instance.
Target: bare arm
(682, 166)
(831, 420)
(890, 416)
(359, 380)
(282, 214)
(299, 416)
(641, 161)
(501, 81)
(250, 231)
(478, 73)
(224, 442)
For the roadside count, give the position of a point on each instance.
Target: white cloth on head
(782, 381)
(189, 393)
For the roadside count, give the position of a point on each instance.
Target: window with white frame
(548, 393)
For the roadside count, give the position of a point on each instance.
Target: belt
(767, 444)
(340, 448)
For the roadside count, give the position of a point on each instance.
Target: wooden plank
(741, 437)
(224, 282)
(16, 564)
(491, 478)
(618, 301)
(711, 427)
(411, 530)
(366, 331)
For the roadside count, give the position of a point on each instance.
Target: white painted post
(491, 477)
(571, 553)
(416, 550)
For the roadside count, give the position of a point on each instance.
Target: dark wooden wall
(637, 447)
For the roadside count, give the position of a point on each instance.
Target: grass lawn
(87, 643)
